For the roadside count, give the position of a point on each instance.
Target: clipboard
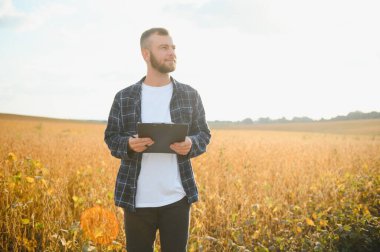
(163, 135)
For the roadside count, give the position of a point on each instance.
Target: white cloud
(245, 15)
(10, 17)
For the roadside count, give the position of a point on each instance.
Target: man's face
(162, 55)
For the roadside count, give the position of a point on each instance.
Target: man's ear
(145, 53)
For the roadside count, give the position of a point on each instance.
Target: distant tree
(264, 120)
(374, 115)
(302, 119)
(281, 120)
(357, 115)
(247, 121)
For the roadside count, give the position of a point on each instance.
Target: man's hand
(182, 148)
(139, 144)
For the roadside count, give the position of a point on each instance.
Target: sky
(246, 58)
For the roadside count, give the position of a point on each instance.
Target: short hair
(146, 34)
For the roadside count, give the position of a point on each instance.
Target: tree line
(357, 115)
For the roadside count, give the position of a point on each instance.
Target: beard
(161, 67)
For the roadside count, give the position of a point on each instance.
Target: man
(156, 189)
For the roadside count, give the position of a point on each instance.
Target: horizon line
(217, 120)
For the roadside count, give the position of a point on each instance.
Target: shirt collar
(175, 84)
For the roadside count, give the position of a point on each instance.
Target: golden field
(294, 187)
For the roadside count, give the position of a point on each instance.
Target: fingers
(139, 149)
(140, 144)
(180, 148)
(145, 143)
(141, 141)
(185, 144)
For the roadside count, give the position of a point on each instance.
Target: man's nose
(172, 51)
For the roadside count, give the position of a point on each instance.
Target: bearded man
(156, 190)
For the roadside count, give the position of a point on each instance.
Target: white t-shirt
(159, 182)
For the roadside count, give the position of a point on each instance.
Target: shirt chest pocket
(129, 114)
(186, 114)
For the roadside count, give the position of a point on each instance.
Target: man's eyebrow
(161, 45)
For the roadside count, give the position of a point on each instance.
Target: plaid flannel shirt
(185, 107)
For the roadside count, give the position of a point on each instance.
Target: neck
(157, 79)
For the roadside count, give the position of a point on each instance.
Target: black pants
(172, 221)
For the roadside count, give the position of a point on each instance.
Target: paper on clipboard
(163, 135)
